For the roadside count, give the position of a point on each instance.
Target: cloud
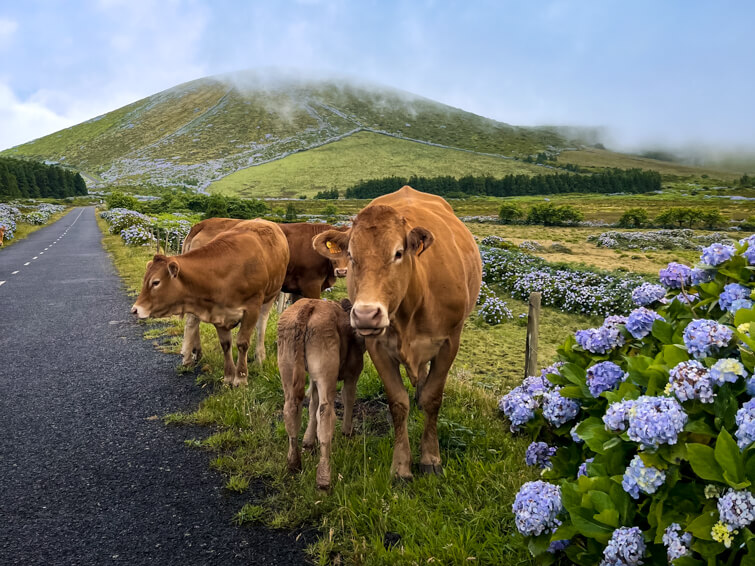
(7, 31)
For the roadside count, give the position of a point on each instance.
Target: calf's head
(161, 289)
(381, 250)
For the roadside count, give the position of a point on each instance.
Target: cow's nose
(342, 272)
(133, 310)
(368, 315)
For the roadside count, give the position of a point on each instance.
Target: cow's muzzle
(341, 272)
(369, 319)
(139, 311)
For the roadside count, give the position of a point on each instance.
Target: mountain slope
(200, 131)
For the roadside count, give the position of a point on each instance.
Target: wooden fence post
(533, 321)
(167, 233)
(157, 240)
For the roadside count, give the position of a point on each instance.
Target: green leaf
(539, 544)
(582, 518)
(703, 462)
(744, 315)
(663, 331)
(609, 517)
(571, 391)
(725, 407)
(594, 433)
(730, 458)
(574, 373)
(699, 426)
(688, 561)
(673, 355)
(700, 526)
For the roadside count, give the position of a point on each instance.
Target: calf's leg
(292, 378)
(310, 436)
(323, 371)
(191, 349)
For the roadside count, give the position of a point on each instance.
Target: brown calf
(316, 336)
(307, 273)
(233, 279)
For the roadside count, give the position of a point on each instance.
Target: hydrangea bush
(494, 311)
(645, 429)
(136, 228)
(684, 239)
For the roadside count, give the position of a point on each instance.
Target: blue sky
(651, 72)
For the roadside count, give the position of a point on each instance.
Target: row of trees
(679, 217)
(547, 214)
(29, 179)
(209, 205)
(613, 181)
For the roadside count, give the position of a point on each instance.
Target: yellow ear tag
(334, 248)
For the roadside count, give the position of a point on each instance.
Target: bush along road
(90, 475)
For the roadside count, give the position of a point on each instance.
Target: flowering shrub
(566, 288)
(135, 228)
(138, 235)
(655, 240)
(653, 420)
(494, 311)
(119, 219)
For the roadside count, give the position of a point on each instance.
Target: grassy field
(460, 518)
(23, 229)
(364, 155)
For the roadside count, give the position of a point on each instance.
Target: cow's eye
(399, 255)
(156, 282)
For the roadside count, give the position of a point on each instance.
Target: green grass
(360, 156)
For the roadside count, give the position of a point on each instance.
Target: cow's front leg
(259, 352)
(229, 370)
(398, 402)
(430, 399)
(191, 349)
(242, 344)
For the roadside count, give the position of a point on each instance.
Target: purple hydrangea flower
(558, 545)
(691, 380)
(520, 403)
(731, 293)
(652, 421)
(749, 254)
(698, 276)
(686, 298)
(626, 548)
(648, 293)
(737, 508)
(539, 454)
(745, 420)
(582, 471)
(676, 546)
(751, 386)
(574, 436)
(536, 508)
(676, 275)
(641, 478)
(727, 369)
(558, 410)
(740, 304)
(640, 322)
(604, 376)
(603, 339)
(716, 254)
(703, 337)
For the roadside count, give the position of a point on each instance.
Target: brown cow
(307, 274)
(2, 235)
(233, 279)
(414, 276)
(315, 336)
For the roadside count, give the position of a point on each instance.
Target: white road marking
(35, 257)
(2, 282)
(14, 272)
(27, 263)
(41, 253)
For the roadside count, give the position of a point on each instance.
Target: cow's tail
(294, 336)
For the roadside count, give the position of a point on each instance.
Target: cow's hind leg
(242, 343)
(323, 370)
(310, 436)
(259, 352)
(191, 349)
(398, 402)
(293, 379)
(430, 400)
(229, 370)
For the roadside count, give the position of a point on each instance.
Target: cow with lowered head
(229, 281)
(414, 276)
(307, 273)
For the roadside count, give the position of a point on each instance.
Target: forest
(29, 179)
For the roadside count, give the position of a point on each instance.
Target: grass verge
(461, 517)
(23, 229)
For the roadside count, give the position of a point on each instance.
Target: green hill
(200, 131)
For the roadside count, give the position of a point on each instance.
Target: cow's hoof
(347, 433)
(323, 487)
(308, 446)
(431, 469)
(403, 478)
(294, 467)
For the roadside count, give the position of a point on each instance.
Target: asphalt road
(87, 474)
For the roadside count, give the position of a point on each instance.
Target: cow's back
(206, 230)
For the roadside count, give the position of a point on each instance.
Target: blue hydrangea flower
(749, 254)
(751, 386)
(691, 380)
(737, 508)
(686, 298)
(558, 545)
(745, 420)
(494, 311)
(650, 421)
(539, 454)
(604, 376)
(648, 293)
(716, 254)
(676, 546)
(520, 403)
(740, 304)
(603, 339)
(698, 276)
(582, 471)
(641, 478)
(640, 322)
(703, 337)
(574, 436)
(626, 548)
(727, 369)
(731, 293)
(558, 410)
(536, 508)
(675, 275)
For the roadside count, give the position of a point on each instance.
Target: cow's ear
(173, 268)
(418, 240)
(332, 244)
(149, 264)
